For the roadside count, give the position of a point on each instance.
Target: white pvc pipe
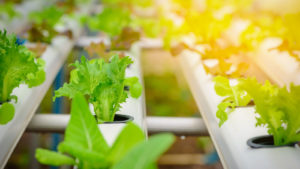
(176, 125)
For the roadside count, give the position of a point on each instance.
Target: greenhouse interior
(149, 84)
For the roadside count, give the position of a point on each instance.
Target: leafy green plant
(85, 147)
(107, 20)
(18, 66)
(277, 108)
(103, 82)
(130, 24)
(43, 22)
(234, 96)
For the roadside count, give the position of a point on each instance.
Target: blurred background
(167, 94)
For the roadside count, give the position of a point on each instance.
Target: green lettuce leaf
(85, 143)
(82, 128)
(18, 66)
(127, 139)
(264, 97)
(48, 157)
(84, 78)
(277, 109)
(87, 158)
(42, 16)
(102, 82)
(135, 87)
(288, 103)
(107, 20)
(144, 154)
(109, 94)
(83, 139)
(234, 96)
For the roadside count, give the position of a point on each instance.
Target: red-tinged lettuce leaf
(125, 39)
(100, 50)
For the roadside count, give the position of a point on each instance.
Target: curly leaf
(135, 87)
(110, 93)
(234, 96)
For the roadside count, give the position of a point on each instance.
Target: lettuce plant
(18, 66)
(130, 25)
(277, 108)
(107, 20)
(43, 23)
(234, 96)
(103, 82)
(85, 147)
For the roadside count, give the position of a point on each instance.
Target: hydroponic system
(82, 61)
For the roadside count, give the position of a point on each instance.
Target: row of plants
(275, 106)
(223, 43)
(216, 20)
(177, 25)
(103, 83)
(20, 64)
(40, 29)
